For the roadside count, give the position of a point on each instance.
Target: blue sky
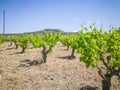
(67, 15)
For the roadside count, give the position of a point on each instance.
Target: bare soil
(24, 71)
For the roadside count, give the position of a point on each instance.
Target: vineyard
(88, 59)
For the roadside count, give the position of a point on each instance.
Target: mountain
(42, 32)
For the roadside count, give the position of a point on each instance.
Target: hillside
(41, 32)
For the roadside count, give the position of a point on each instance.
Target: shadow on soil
(9, 48)
(17, 53)
(89, 88)
(28, 63)
(67, 57)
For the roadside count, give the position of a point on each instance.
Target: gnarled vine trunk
(106, 84)
(44, 54)
(23, 49)
(73, 52)
(16, 46)
(45, 51)
(68, 47)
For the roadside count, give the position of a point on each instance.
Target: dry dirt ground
(22, 71)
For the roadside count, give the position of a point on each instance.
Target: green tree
(23, 42)
(1, 39)
(15, 39)
(47, 42)
(70, 41)
(98, 46)
(65, 41)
